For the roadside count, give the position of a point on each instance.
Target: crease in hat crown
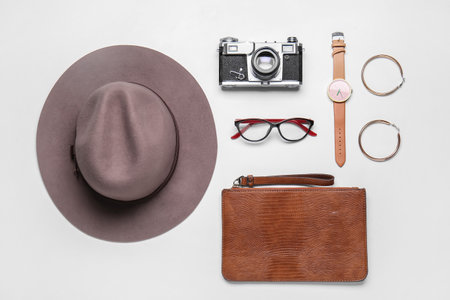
(126, 141)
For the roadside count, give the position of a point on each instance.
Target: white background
(42, 256)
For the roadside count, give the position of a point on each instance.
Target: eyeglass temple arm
(250, 123)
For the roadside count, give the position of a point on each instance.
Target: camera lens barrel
(265, 63)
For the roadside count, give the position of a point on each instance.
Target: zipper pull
(237, 182)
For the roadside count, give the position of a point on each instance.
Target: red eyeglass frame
(274, 123)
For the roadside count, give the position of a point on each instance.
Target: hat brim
(83, 207)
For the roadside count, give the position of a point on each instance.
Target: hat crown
(126, 141)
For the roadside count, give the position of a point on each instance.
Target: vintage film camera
(266, 64)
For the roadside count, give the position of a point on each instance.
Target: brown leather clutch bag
(293, 234)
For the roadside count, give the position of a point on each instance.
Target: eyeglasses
(291, 130)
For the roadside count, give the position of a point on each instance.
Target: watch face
(339, 90)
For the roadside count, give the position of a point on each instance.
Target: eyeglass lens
(254, 130)
(294, 130)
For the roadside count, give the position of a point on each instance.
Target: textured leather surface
(293, 66)
(339, 108)
(294, 234)
(228, 63)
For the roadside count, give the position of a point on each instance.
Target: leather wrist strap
(339, 133)
(338, 59)
(339, 107)
(297, 179)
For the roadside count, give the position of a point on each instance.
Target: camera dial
(228, 39)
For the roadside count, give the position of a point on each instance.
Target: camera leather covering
(292, 67)
(229, 63)
(294, 234)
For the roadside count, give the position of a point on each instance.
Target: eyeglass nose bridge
(279, 130)
(269, 131)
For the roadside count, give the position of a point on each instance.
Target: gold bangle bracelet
(386, 57)
(379, 159)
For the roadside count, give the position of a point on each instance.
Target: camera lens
(265, 63)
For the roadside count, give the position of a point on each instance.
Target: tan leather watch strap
(339, 108)
(339, 133)
(338, 59)
(297, 179)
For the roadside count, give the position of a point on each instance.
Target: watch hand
(339, 92)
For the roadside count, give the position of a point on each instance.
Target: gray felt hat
(126, 143)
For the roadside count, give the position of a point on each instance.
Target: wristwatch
(339, 91)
